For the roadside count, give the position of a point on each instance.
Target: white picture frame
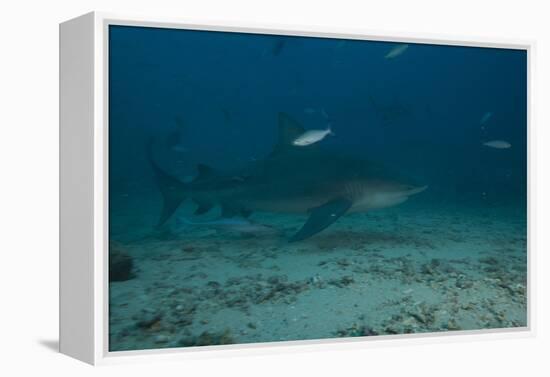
(84, 190)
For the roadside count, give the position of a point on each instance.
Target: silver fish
(311, 137)
(396, 51)
(498, 144)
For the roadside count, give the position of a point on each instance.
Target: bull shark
(303, 180)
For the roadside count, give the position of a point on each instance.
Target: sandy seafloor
(408, 269)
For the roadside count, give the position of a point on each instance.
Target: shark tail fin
(173, 191)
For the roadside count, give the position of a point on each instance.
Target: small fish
(390, 112)
(396, 51)
(278, 47)
(311, 137)
(498, 144)
(309, 111)
(485, 117)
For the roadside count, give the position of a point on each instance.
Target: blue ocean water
(450, 258)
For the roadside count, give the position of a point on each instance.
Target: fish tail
(173, 191)
(329, 129)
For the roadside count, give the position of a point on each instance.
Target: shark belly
(377, 202)
(293, 205)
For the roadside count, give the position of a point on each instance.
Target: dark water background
(221, 92)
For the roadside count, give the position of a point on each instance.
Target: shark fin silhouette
(172, 189)
(289, 130)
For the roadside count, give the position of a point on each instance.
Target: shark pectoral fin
(321, 217)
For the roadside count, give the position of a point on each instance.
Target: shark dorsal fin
(204, 172)
(289, 130)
